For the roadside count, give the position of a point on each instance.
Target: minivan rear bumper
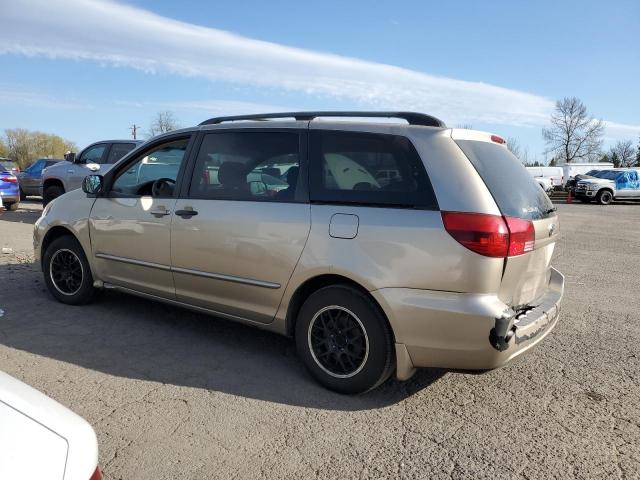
(456, 330)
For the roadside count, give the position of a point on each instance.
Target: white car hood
(40, 438)
(597, 181)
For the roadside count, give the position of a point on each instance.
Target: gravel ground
(173, 394)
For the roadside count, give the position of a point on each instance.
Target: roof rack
(411, 117)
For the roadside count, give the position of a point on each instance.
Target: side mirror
(70, 157)
(92, 184)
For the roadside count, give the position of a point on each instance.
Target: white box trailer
(554, 174)
(572, 169)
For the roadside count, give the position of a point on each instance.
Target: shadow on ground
(28, 212)
(135, 338)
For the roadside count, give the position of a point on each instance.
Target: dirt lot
(173, 394)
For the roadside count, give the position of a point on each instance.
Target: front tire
(67, 272)
(605, 197)
(344, 340)
(51, 193)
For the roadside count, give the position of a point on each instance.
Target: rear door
(237, 234)
(517, 195)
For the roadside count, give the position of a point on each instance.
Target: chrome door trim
(188, 271)
(227, 278)
(132, 261)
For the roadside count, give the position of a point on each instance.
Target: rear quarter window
(515, 191)
(368, 169)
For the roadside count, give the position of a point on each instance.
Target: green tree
(25, 146)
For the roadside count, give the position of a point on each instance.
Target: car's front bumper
(9, 197)
(457, 330)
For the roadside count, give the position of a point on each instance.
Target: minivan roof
(412, 118)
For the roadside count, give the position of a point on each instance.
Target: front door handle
(159, 211)
(70, 171)
(187, 213)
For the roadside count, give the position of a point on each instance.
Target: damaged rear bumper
(465, 331)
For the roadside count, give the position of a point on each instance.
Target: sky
(89, 69)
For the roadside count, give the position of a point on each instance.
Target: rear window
(514, 190)
(8, 165)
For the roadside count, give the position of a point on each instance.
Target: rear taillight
(497, 139)
(9, 178)
(97, 475)
(490, 235)
(522, 236)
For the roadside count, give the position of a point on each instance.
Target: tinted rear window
(514, 190)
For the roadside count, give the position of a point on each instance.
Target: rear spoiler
(477, 135)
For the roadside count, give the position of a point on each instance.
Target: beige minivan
(379, 246)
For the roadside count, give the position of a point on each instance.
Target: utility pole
(134, 131)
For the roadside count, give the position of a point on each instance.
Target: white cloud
(24, 98)
(121, 35)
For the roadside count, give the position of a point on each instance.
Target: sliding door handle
(187, 213)
(159, 212)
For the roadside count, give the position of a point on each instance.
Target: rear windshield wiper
(551, 210)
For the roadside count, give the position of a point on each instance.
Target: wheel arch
(49, 182)
(52, 234)
(313, 284)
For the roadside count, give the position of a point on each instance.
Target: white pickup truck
(614, 184)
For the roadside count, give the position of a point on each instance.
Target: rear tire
(605, 197)
(344, 340)
(12, 206)
(51, 193)
(67, 272)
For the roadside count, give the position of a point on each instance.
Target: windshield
(514, 190)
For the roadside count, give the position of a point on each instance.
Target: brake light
(497, 139)
(9, 178)
(97, 475)
(490, 235)
(522, 236)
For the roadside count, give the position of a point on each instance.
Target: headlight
(46, 209)
(592, 186)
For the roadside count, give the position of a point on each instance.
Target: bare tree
(162, 123)
(574, 134)
(514, 146)
(465, 126)
(624, 151)
(522, 153)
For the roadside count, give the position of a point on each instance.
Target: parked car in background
(39, 438)
(30, 179)
(572, 169)
(370, 273)
(98, 157)
(9, 189)
(615, 184)
(571, 183)
(545, 183)
(9, 166)
(554, 174)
